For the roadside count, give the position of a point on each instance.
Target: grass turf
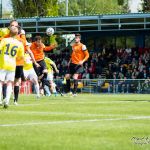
(85, 122)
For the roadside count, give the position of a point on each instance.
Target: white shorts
(6, 75)
(50, 76)
(30, 74)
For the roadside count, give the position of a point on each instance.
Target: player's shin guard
(16, 93)
(75, 86)
(68, 85)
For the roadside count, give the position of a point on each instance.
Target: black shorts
(74, 69)
(19, 73)
(39, 70)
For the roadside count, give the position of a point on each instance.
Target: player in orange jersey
(75, 66)
(38, 49)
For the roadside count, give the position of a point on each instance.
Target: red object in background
(26, 87)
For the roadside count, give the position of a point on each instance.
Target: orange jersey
(79, 53)
(22, 39)
(38, 51)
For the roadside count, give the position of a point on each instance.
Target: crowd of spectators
(130, 63)
(120, 64)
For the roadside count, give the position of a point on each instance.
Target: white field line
(74, 103)
(61, 113)
(73, 121)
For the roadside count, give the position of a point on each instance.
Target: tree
(146, 6)
(88, 7)
(120, 2)
(31, 8)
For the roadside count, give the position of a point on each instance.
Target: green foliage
(120, 2)
(146, 6)
(88, 7)
(31, 8)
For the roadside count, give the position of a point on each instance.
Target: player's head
(13, 30)
(77, 38)
(15, 24)
(38, 40)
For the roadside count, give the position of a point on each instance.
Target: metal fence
(109, 85)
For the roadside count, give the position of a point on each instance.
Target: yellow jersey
(49, 62)
(27, 62)
(11, 50)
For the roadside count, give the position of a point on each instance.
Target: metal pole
(66, 7)
(84, 8)
(1, 9)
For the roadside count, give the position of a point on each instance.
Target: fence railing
(109, 85)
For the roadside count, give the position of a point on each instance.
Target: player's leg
(8, 93)
(2, 79)
(17, 82)
(9, 80)
(43, 71)
(67, 78)
(53, 88)
(77, 69)
(75, 81)
(4, 90)
(47, 90)
(58, 90)
(68, 83)
(1, 84)
(50, 77)
(34, 79)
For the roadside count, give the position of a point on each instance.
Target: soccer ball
(50, 31)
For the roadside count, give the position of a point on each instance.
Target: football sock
(37, 90)
(4, 90)
(0, 91)
(8, 93)
(68, 85)
(16, 93)
(75, 86)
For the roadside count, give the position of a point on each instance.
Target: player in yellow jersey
(19, 64)
(10, 50)
(75, 66)
(29, 73)
(50, 77)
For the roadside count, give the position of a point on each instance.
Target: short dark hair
(38, 38)
(78, 35)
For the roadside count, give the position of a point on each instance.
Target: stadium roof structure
(72, 24)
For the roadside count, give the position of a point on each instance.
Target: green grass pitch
(85, 122)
